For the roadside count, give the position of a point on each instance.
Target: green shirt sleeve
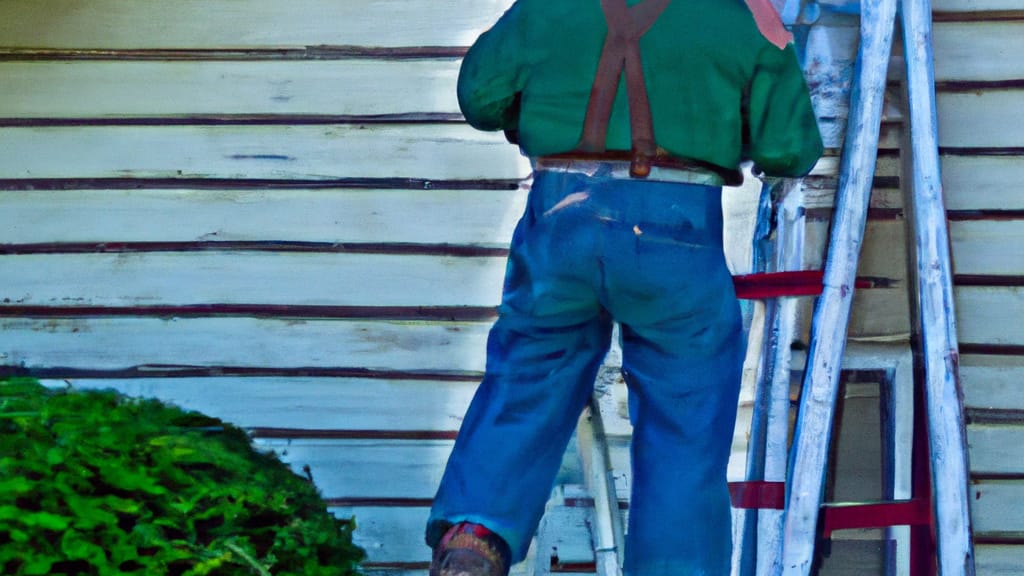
(491, 75)
(781, 135)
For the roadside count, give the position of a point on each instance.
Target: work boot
(470, 550)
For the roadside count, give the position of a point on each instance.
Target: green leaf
(45, 520)
(38, 565)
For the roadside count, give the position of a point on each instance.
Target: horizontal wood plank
(988, 247)
(353, 404)
(996, 449)
(389, 534)
(982, 182)
(183, 89)
(378, 469)
(992, 382)
(306, 279)
(392, 535)
(981, 119)
(997, 509)
(396, 535)
(990, 119)
(990, 315)
(998, 559)
(224, 24)
(964, 51)
(978, 51)
(125, 343)
(981, 6)
(465, 217)
(259, 152)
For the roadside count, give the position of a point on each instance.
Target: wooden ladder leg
(832, 310)
(934, 310)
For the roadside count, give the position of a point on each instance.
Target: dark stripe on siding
(1014, 417)
(992, 349)
(254, 183)
(286, 311)
(979, 16)
(983, 280)
(254, 246)
(954, 86)
(981, 151)
(998, 215)
(298, 53)
(424, 566)
(184, 371)
(316, 434)
(379, 502)
(241, 120)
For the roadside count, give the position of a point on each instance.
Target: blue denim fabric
(591, 250)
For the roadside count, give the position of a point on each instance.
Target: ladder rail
(934, 309)
(789, 256)
(832, 310)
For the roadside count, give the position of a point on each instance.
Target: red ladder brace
(772, 495)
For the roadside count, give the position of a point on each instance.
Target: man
(634, 117)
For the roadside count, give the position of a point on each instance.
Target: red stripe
(758, 495)
(775, 284)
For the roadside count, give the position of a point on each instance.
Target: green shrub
(98, 483)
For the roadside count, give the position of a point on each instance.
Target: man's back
(719, 92)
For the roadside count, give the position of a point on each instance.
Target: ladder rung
(775, 284)
(758, 494)
(913, 512)
(793, 283)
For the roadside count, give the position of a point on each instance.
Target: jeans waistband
(619, 169)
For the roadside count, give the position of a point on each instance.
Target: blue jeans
(590, 250)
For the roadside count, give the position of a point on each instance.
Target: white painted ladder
(786, 538)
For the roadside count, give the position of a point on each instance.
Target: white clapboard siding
(997, 509)
(228, 24)
(998, 560)
(978, 51)
(983, 118)
(307, 403)
(996, 449)
(367, 468)
(112, 89)
(992, 382)
(483, 218)
(391, 535)
(184, 278)
(955, 6)
(990, 314)
(878, 259)
(259, 152)
(988, 247)
(121, 343)
(983, 182)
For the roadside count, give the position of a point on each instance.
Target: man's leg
(667, 283)
(543, 354)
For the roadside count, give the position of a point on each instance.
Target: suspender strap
(622, 51)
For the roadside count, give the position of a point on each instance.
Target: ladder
(785, 486)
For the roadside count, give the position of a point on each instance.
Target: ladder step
(758, 494)
(793, 283)
(913, 512)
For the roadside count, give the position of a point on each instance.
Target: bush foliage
(98, 483)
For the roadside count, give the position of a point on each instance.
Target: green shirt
(719, 91)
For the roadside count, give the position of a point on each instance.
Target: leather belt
(702, 172)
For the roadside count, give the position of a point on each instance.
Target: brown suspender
(622, 51)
